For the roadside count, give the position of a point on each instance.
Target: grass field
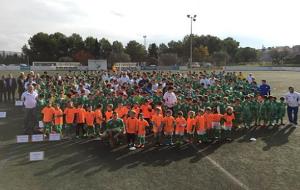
(272, 162)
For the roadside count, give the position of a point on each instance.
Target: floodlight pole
(192, 18)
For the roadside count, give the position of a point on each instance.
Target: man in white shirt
(293, 100)
(170, 98)
(29, 98)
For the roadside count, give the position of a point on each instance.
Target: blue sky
(252, 22)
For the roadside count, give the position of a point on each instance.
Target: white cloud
(252, 22)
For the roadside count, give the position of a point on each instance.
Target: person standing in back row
(293, 101)
(11, 84)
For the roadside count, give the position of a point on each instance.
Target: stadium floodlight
(193, 19)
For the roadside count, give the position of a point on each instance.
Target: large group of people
(176, 107)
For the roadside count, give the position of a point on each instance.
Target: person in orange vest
(201, 127)
(80, 121)
(98, 119)
(228, 117)
(89, 121)
(48, 115)
(208, 123)
(131, 128)
(190, 126)
(58, 119)
(180, 128)
(216, 124)
(142, 124)
(157, 122)
(169, 124)
(69, 112)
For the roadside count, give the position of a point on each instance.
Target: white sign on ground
(54, 137)
(37, 138)
(41, 124)
(2, 114)
(22, 138)
(36, 156)
(19, 103)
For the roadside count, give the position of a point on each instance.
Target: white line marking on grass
(213, 162)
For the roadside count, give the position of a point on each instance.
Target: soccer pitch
(271, 162)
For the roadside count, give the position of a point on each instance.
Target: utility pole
(193, 19)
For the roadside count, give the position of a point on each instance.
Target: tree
(136, 51)
(153, 51)
(92, 46)
(278, 57)
(246, 54)
(105, 48)
(117, 47)
(200, 54)
(118, 57)
(168, 59)
(175, 47)
(230, 46)
(76, 43)
(221, 58)
(163, 48)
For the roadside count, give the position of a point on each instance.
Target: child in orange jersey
(98, 119)
(228, 117)
(157, 122)
(208, 122)
(80, 120)
(142, 124)
(190, 125)
(131, 127)
(180, 127)
(146, 109)
(69, 112)
(169, 123)
(216, 124)
(89, 121)
(108, 114)
(201, 127)
(48, 115)
(58, 119)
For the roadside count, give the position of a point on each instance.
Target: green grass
(272, 162)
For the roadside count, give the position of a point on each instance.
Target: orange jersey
(122, 111)
(48, 113)
(89, 118)
(229, 119)
(59, 119)
(180, 124)
(157, 120)
(216, 117)
(146, 110)
(131, 125)
(169, 124)
(208, 120)
(81, 115)
(200, 123)
(190, 123)
(98, 116)
(142, 124)
(70, 115)
(108, 115)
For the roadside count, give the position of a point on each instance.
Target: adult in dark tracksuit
(3, 89)
(11, 84)
(21, 83)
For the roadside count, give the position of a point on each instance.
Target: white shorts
(216, 125)
(179, 133)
